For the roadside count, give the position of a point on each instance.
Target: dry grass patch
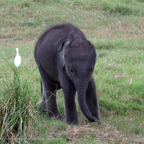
(120, 30)
(104, 134)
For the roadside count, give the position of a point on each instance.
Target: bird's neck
(17, 52)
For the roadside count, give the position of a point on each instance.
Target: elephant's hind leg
(49, 104)
(91, 99)
(42, 107)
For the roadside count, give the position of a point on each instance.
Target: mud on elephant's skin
(66, 60)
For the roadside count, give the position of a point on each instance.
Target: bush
(16, 109)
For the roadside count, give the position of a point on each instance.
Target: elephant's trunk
(81, 90)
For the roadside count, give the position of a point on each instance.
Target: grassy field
(116, 28)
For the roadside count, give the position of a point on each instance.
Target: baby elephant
(66, 60)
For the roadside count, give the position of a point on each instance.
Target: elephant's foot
(97, 121)
(72, 120)
(51, 114)
(42, 109)
(60, 117)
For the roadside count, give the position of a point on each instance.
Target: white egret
(17, 60)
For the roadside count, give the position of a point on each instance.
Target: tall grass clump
(16, 109)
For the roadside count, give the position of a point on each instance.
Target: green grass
(115, 28)
(123, 84)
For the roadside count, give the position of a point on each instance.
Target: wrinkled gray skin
(66, 60)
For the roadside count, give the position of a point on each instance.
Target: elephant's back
(47, 42)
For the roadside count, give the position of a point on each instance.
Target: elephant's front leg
(91, 100)
(70, 104)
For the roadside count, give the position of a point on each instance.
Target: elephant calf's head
(78, 57)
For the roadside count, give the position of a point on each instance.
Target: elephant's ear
(65, 41)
